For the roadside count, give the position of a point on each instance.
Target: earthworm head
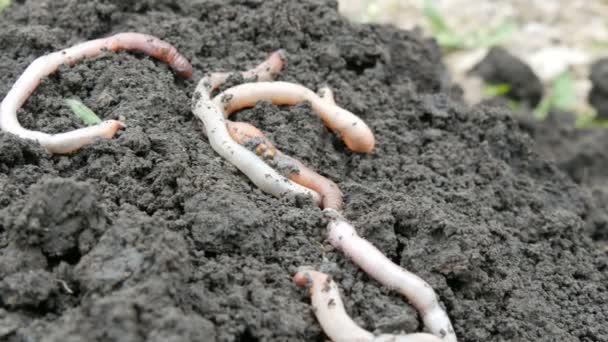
(276, 62)
(110, 127)
(302, 279)
(281, 56)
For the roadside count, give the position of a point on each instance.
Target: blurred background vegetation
(558, 39)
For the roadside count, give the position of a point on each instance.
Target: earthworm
(331, 196)
(342, 235)
(356, 134)
(337, 325)
(260, 173)
(48, 64)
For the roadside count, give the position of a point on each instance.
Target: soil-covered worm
(337, 325)
(244, 134)
(356, 134)
(41, 67)
(342, 235)
(261, 174)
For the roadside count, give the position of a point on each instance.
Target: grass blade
(83, 112)
(434, 17)
(4, 4)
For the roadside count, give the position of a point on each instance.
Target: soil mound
(162, 240)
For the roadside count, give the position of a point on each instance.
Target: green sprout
(4, 4)
(562, 96)
(450, 40)
(590, 120)
(493, 90)
(83, 112)
(501, 90)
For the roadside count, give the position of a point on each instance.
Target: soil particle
(501, 67)
(24, 289)
(181, 246)
(61, 216)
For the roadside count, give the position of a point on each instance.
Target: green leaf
(496, 36)
(543, 109)
(449, 40)
(4, 4)
(514, 106)
(435, 18)
(497, 89)
(564, 96)
(590, 120)
(83, 112)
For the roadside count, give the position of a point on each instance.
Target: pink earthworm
(341, 234)
(356, 134)
(44, 66)
(260, 173)
(331, 196)
(337, 325)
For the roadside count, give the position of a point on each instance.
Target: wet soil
(153, 236)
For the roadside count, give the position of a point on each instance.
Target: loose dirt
(153, 236)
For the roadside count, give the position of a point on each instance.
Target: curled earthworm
(356, 134)
(342, 235)
(260, 173)
(43, 66)
(337, 325)
(245, 134)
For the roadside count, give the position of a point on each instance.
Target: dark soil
(598, 96)
(581, 153)
(501, 67)
(153, 236)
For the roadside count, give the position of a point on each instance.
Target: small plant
(84, 113)
(493, 90)
(590, 120)
(448, 39)
(562, 96)
(4, 4)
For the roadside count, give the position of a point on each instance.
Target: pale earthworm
(337, 325)
(244, 133)
(356, 134)
(44, 66)
(342, 235)
(260, 173)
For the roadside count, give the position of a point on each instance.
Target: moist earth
(501, 67)
(153, 236)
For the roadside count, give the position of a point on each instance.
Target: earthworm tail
(342, 235)
(43, 66)
(153, 47)
(337, 325)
